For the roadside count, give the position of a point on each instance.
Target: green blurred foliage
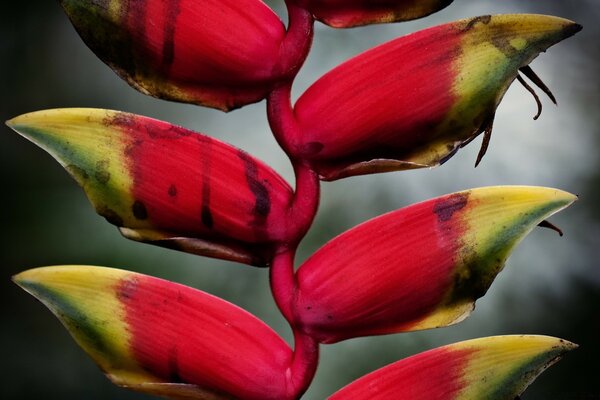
(551, 285)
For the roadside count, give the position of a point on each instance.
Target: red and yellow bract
(419, 267)
(412, 102)
(217, 53)
(167, 185)
(163, 338)
(492, 368)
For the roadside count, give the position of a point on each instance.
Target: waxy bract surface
(492, 368)
(412, 102)
(216, 53)
(420, 267)
(167, 185)
(159, 337)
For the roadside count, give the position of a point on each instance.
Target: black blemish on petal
(135, 15)
(206, 216)
(78, 173)
(484, 19)
(111, 216)
(571, 29)
(502, 43)
(262, 200)
(101, 173)
(126, 290)
(172, 191)
(172, 10)
(121, 119)
(174, 376)
(262, 205)
(446, 207)
(139, 210)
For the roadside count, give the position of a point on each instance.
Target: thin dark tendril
(528, 72)
(549, 225)
(487, 136)
(534, 94)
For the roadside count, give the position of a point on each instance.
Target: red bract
(159, 337)
(492, 368)
(349, 13)
(167, 185)
(410, 103)
(217, 53)
(419, 267)
(414, 101)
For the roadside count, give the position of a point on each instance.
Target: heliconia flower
(167, 185)
(419, 267)
(162, 338)
(217, 53)
(414, 101)
(349, 13)
(492, 368)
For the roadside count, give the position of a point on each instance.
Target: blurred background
(550, 286)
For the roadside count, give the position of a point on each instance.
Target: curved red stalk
(294, 50)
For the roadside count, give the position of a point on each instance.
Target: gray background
(550, 286)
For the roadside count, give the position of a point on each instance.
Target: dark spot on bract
(571, 29)
(126, 290)
(484, 19)
(206, 216)
(172, 190)
(446, 207)
(313, 148)
(78, 173)
(174, 376)
(262, 204)
(502, 43)
(139, 210)
(111, 216)
(101, 173)
(172, 10)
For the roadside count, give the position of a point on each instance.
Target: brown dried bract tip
(534, 94)
(487, 136)
(549, 225)
(528, 72)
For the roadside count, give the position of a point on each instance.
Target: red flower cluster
(409, 103)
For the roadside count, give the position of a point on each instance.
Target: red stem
(304, 364)
(294, 50)
(298, 39)
(302, 210)
(283, 282)
(306, 349)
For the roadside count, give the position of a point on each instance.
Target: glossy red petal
(420, 267)
(492, 368)
(162, 338)
(218, 53)
(165, 184)
(414, 101)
